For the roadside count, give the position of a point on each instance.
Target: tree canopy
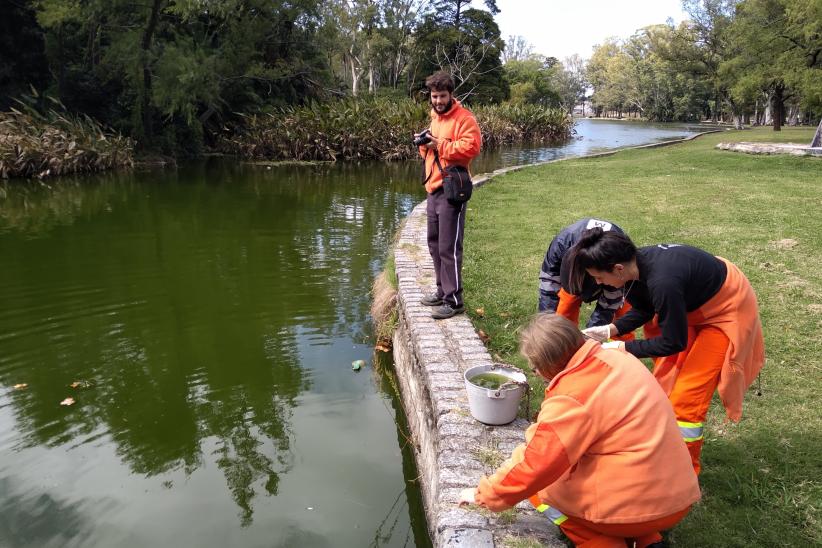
(746, 60)
(173, 73)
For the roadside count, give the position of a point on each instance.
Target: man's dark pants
(446, 226)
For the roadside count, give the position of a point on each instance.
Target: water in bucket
(494, 393)
(491, 380)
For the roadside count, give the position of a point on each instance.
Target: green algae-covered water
(210, 315)
(491, 380)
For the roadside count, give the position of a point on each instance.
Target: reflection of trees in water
(36, 207)
(355, 211)
(243, 462)
(187, 308)
(37, 520)
(411, 496)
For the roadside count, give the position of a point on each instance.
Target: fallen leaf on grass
(67, 401)
(480, 312)
(483, 336)
(382, 348)
(21, 386)
(504, 314)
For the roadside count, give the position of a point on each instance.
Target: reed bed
(36, 145)
(377, 128)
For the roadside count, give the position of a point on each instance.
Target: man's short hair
(440, 81)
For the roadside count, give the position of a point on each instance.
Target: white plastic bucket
(494, 406)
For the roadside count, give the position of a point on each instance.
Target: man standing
(454, 139)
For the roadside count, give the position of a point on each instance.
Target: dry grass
(384, 308)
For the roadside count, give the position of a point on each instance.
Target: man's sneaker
(445, 311)
(431, 300)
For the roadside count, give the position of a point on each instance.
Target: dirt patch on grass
(785, 243)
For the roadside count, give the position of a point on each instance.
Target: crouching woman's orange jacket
(605, 448)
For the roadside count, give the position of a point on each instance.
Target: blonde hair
(548, 342)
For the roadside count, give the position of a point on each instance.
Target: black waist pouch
(456, 182)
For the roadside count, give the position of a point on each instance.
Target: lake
(176, 349)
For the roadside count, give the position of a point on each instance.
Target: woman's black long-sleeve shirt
(673, 280)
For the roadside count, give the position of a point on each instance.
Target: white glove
(599, 333)
(616, 345)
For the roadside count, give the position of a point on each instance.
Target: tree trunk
(355, 79)
(778, 107)
(61, 65)
(817, 138)
(145, 46)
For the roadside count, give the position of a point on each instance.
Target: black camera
(423, 138)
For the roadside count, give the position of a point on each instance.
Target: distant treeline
(746, 61)
(171, 74)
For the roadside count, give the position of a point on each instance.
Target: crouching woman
(605, 460)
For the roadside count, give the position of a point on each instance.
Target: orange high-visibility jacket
(605, 447)
(460, 141)
(735, 311)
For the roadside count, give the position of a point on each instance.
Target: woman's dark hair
(598, 249)
(440, 81)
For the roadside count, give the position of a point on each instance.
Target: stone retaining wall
(792, 149)
(452, 450)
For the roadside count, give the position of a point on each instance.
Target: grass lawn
(762, 478)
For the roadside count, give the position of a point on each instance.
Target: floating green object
(357, 364)
(491, 380)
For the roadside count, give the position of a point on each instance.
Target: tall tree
(517, 48)
(708, 28)
(452, 10)
(535, 80)
(472, 55)
(778, 49)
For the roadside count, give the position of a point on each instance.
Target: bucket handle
(498, 394)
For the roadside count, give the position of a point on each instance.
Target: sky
(561, 28)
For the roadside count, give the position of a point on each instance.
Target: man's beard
(446, 108)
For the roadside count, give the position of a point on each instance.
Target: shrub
(55, 143)
(377, 128)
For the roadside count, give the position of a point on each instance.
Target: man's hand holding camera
(424, 138)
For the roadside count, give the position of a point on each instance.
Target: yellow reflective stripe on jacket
(556, 516)
(691, 431)
(553, 514)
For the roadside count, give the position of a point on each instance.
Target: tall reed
(40, 145)
(377, 128)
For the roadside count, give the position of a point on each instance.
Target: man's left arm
(465, 143)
